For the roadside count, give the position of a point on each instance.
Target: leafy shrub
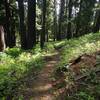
(14, 52)
(14, 65)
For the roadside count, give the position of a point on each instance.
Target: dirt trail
(41, 88)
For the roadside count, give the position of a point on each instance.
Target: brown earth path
(42, 88)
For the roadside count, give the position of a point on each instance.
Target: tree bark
(31, 36)
(78, 20)
(13, 29)
(2, 39)
(9, 35)
(97, 21)
(22, 28)
(55, 21)
(60, 19)
(69, 32)
(42, 38)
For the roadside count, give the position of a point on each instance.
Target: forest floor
(42, 87)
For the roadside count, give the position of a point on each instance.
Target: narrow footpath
(42, 88)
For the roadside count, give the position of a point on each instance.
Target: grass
(75, 47)
(72, 49)
(16, 64)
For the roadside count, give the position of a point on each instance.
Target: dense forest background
(41, 21)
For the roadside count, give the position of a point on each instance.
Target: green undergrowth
(88, 89)
(75, 47)
(15, 64)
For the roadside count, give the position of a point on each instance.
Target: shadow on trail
(41, 88)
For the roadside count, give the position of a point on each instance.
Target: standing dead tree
(2, 39)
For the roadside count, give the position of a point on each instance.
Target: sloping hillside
(79, 69)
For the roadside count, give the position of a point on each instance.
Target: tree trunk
(97, 21)
(42, 38)
(69, 32)
(47, 35)
(31, 36)
(9, 35)
(13, 29)
(60, 19)
(2, 39)
(22, 28)
(78, 20)
(55, 21)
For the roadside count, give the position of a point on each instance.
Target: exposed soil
(42, 87)
(45, 87)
